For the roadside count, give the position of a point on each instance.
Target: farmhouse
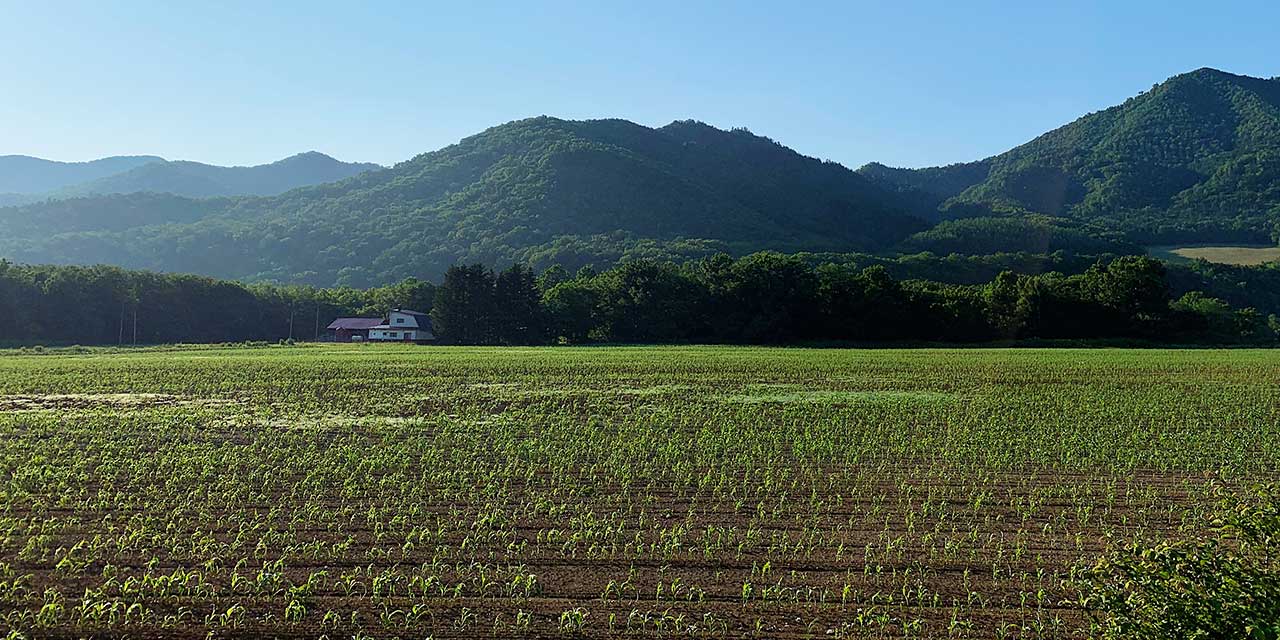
(401, 325)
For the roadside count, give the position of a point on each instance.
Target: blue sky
(904, 83)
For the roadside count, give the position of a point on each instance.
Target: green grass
(401, 491)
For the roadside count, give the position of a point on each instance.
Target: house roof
(355, 324)
(410, 313)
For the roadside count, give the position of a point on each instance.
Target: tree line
(103, 305)
(771, 298)
(763, 298)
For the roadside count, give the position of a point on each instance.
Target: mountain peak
(312, 154)
(1217, 77)
(307, 157)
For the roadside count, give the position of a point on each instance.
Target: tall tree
(464, 308)
(518, 314)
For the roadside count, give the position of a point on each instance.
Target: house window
(393, 334)
(399, 320)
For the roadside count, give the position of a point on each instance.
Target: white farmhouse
(403, 325)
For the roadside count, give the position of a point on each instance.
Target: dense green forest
(762, 298)
(1031, 234)
(1195, 159)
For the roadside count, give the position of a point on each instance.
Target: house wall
(347, 335)
(399, 335)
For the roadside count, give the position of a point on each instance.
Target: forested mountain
(1195, 159)
(928, 188)
(541, 191)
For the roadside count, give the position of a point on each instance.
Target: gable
(401, 320)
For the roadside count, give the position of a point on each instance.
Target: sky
(902, 83)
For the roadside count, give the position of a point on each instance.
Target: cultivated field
(1248, 255)
(597, 492)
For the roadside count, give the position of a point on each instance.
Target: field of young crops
(369, 492)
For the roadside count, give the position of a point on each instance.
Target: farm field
(396, 491)
(1246, 255)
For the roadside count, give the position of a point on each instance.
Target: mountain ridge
(29, 175)
(28, 180)
(196, 179)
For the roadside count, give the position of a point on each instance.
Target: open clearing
(1240, 255)
(369, 491)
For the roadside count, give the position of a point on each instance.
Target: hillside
(541, 190)
(1196, 158)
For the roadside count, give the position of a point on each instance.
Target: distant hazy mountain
(26, 180)
(1195, 159)
(202, 180)
(29, 176)
(541, 190)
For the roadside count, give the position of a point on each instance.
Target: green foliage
(475, 306)
(1032, 234)
(1224, 585)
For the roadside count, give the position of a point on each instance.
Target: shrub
(1223, 585)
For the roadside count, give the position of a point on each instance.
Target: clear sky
(904, 83)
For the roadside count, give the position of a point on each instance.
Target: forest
(762, 298)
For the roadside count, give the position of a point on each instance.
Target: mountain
(24, 175)
(928, 188)
(1195, 159)
(541, 190)
(201, 180)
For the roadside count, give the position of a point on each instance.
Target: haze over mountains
(24, 179)
(1195, 159)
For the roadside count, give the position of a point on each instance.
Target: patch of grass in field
(1245, 255)
(793, 393)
